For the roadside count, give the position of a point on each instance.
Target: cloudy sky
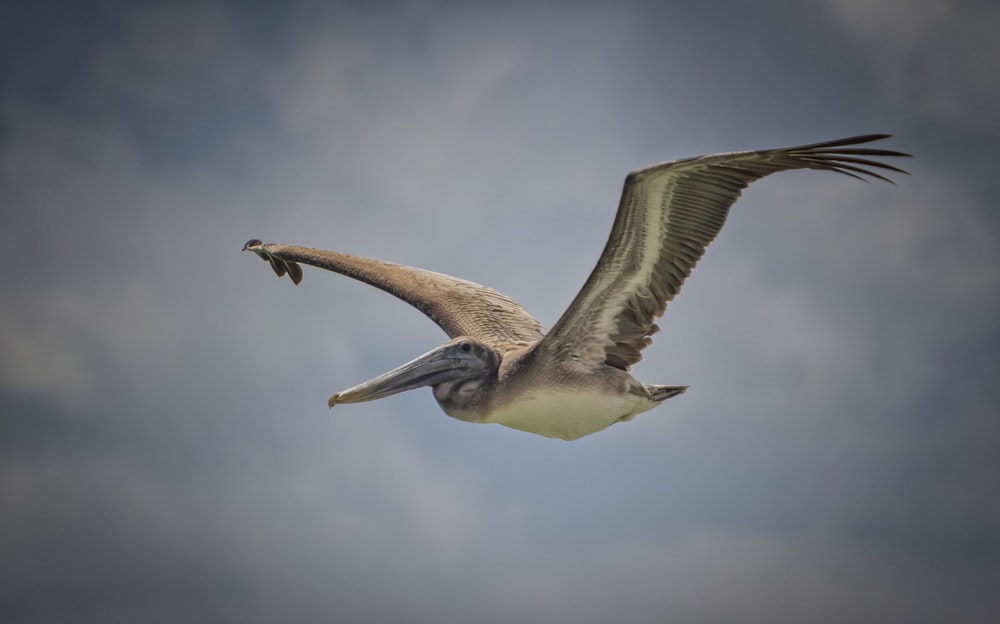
(166, 453)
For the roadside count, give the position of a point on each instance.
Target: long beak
(427, 370)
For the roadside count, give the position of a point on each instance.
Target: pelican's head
(456, 370)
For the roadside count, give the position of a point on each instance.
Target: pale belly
(568, 415)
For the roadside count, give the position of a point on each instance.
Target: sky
(166, 453)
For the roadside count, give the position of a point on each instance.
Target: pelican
(499, 367)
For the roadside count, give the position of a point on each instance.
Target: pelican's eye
(466, 347)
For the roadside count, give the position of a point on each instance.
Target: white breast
(568, 415)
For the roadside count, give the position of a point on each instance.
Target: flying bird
(499, 366)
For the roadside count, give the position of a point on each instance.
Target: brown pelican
(499, 367)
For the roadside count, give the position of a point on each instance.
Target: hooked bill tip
(332, 401)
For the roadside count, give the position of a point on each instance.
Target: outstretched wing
(459, 307)
(668, 215)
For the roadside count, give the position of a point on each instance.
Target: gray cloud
(165, 450)
(934, 57)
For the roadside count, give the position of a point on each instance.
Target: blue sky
(165, 448)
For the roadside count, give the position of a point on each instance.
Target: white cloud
(924, 242)
(39, 355)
